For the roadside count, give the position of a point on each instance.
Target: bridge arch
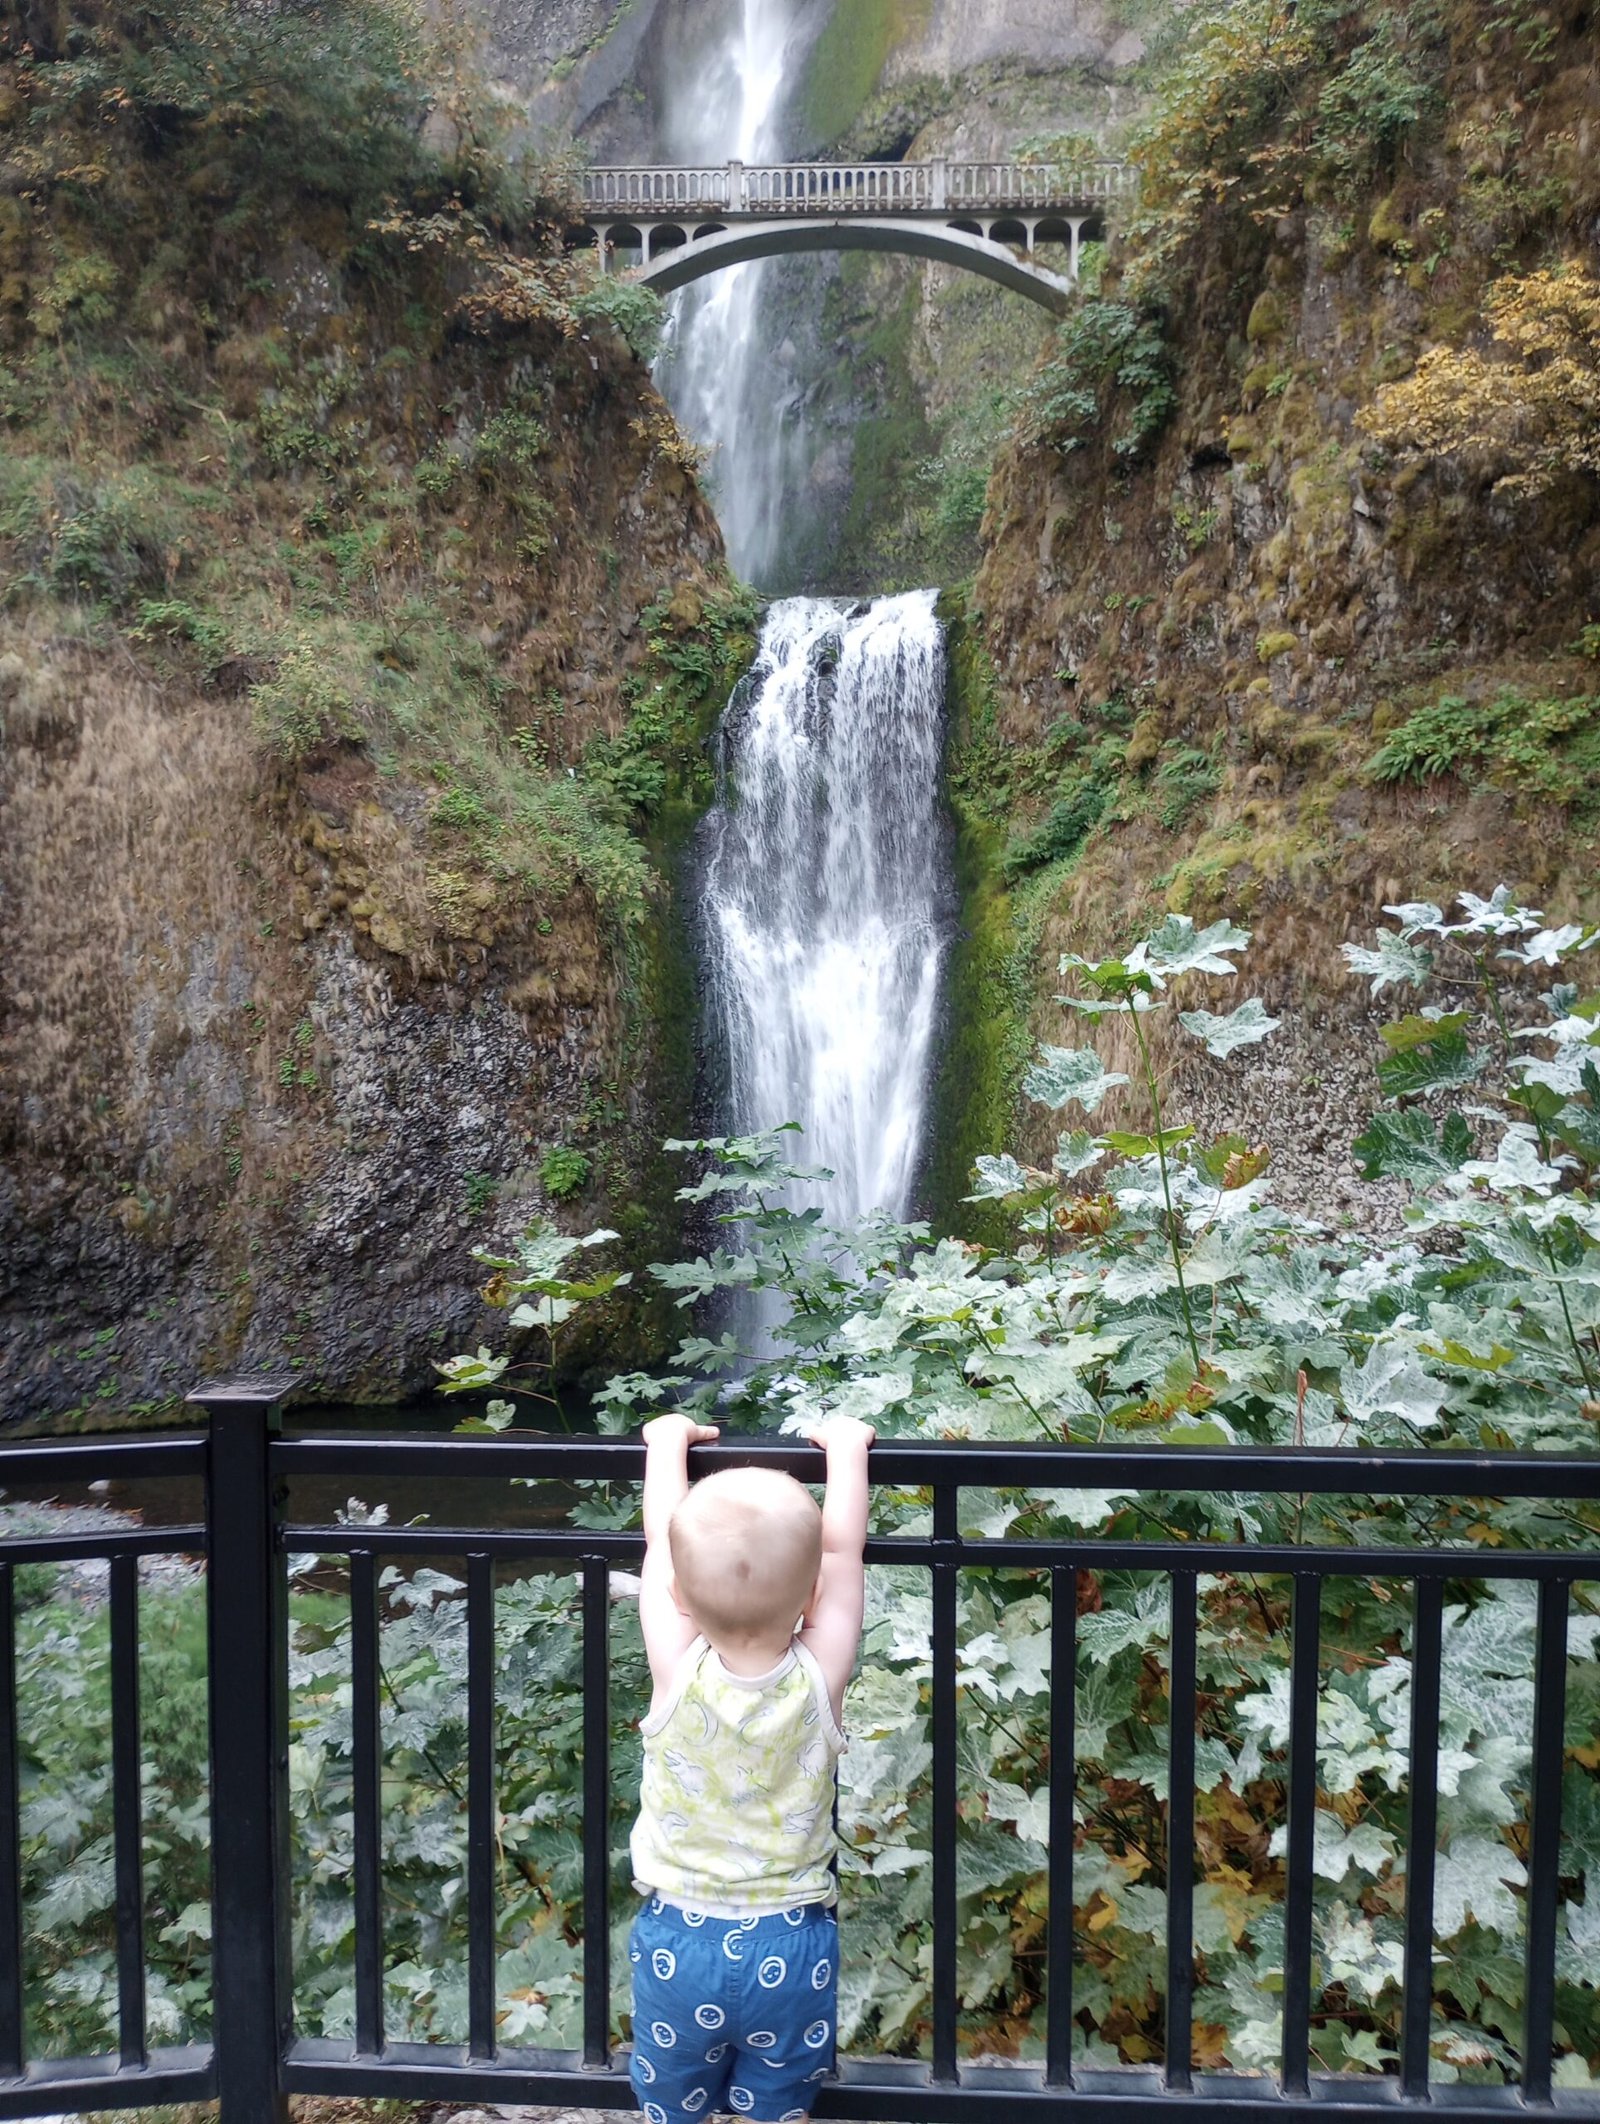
(682, 261)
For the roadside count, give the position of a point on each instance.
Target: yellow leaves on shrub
(1528, 413)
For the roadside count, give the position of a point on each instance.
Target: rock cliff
(359, 629)
(1287, 603)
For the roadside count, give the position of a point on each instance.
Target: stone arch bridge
(989, 217)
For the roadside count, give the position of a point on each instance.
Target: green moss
(847, 61)
(695, 670)
(989, 984)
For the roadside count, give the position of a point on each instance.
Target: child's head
(746, 1550)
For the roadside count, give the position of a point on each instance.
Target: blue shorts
(732, 2013)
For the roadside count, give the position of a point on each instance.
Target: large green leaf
(1067, 1074)
(1391, 963)
(1176, 947)
(1431, 1065)
(1408, 1146)
(1240, 1028)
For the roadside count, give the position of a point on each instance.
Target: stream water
(825, 893)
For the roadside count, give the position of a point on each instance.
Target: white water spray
(825, 897)
(725, 390)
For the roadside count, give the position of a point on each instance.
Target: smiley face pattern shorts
(732, 2013)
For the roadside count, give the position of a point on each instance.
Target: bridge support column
(1076, 225)
(1032, 228)
(602, 237)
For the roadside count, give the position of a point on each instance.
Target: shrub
(1525, 418)
(1149, 1291)
(1062, 833)
(637, 313)
(1111, 367)
(1546, 749)
(563, 1172)
(302, 705)
(1182, 778)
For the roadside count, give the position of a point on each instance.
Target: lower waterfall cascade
(826, 892)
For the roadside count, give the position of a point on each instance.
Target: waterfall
(825, 892)
(715, 370)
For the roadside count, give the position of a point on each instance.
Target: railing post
(941, 183)
(736, 198)
(249, 1752)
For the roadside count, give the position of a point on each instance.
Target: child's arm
(668, 1632)
(832, 1630)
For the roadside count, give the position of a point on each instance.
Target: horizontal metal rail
(250, 1537)
(125, 1457)
(896, 2089)
(554, 1545)
(914, 1463)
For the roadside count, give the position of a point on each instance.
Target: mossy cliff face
(906, 367)
(1254, 651)
(361, 627)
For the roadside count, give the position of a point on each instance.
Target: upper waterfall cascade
(825, 896)
(715, 368)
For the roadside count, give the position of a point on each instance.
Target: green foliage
(478, 1192)
(1112, 367)
(436, 474)
(637, 313)
(1174, 1303)
(564, 1172)
(302, 706)
(64, 1698)
(1383, 94)
(1061, 834)
(510, 444)
(77, 296)
(115, 538)
(323, 103)
(1146, 1290)
(1184, 777)
(1546, 749)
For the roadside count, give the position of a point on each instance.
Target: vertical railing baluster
(11, 2032)
(1063, 1826)
(945, 1794)
(1544, 1838)
(247, 1669)
(1299, 1878)
(127, 1809)
(1416, 2022)
(1180, 1834)
(596, 1813)
(482, 1803)
(366, 1754)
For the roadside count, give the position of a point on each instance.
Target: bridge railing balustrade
(665, 189)
(863, 188)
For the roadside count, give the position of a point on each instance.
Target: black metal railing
(256, 2058)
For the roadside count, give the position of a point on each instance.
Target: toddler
(751, 1604)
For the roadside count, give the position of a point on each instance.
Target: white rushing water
(825, 894)
(716, 370)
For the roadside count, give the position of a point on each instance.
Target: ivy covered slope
(359, 622)
(1288, 596)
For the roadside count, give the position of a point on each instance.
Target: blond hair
(746, 1550)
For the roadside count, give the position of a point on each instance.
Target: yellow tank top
(736, 1800)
